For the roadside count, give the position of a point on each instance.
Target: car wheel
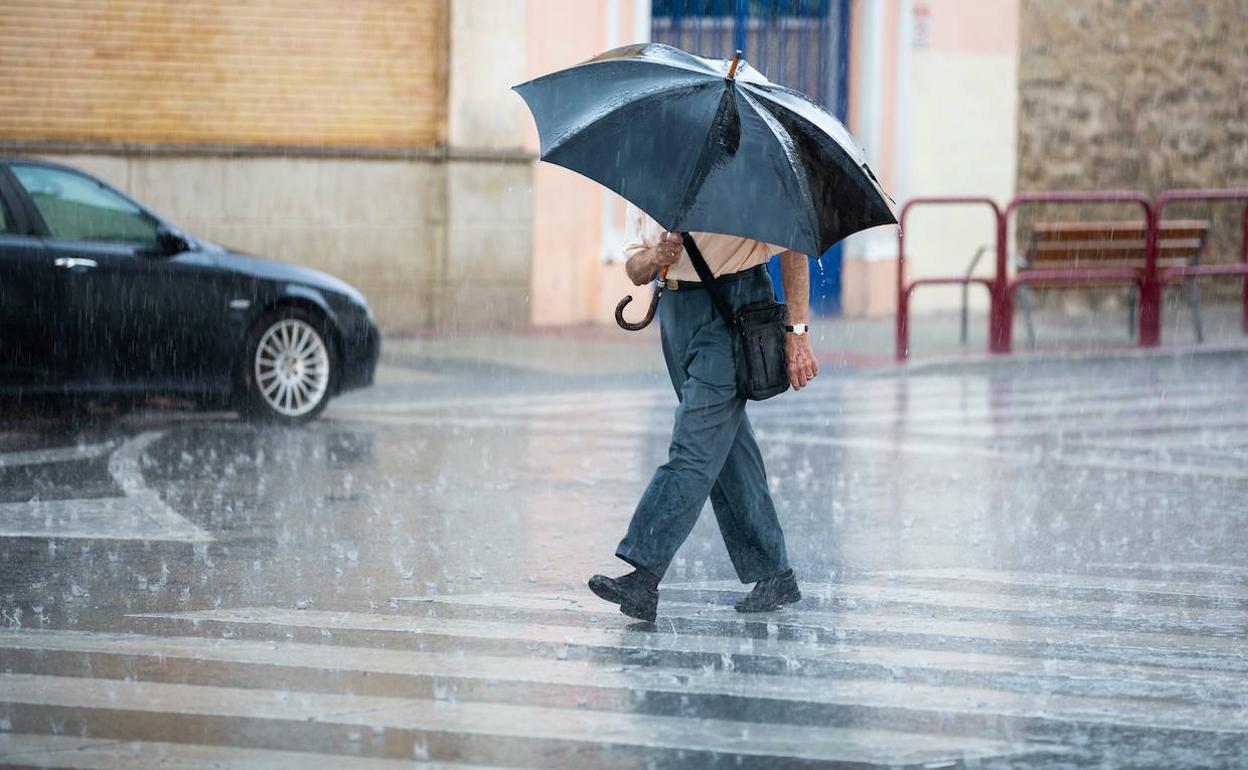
(289, 368)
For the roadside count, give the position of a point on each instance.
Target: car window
(8, 225)
(78, 208)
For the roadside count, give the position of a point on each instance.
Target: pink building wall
(572, 281)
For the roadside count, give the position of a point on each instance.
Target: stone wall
(1136, 94)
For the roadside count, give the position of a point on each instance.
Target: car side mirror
(170, 243)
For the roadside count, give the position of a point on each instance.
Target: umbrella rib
(788, 145)
(697, 176)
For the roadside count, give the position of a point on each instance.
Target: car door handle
(69, 263)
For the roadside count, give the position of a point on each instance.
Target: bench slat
(1101, 251)
(1055, 282)
(1106, 264)
(1116, 231)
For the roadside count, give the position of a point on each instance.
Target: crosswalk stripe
(1052, 657)
(64, 752)
(1141, 588)
(55, 455)
(1095, 425)
(1124, 647)
(1218, 440)
(1147, 461)
(1075, 676)
(1210, 573)
(1163, 648)
(296, 716)
(572, 680)
(1042, 609)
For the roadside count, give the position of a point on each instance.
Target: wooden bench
(1109, 254)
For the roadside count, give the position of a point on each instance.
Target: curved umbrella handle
(648, 317)
(645, 320)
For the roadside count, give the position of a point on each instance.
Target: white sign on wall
(921, 35)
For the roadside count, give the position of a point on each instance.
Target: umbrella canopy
(700, 149)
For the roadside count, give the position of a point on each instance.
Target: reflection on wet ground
(1024, 566)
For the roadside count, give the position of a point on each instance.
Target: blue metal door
(802, 44)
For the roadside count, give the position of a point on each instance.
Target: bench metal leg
(1024, 298)
(1193, 299)
(1132, 299)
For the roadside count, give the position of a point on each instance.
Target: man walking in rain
(713, 452)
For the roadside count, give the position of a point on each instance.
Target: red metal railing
(1002, 289)
(904, 290)
(1201, 270)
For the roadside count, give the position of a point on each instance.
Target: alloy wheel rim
(292, 367)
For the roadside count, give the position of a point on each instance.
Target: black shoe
(636, 599)
(770, 594)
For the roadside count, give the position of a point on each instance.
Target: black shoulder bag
(762, 370)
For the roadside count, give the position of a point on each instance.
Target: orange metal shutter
(368, 73)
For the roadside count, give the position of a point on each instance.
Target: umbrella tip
(736, 60)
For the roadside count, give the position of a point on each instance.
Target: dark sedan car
(101, 297)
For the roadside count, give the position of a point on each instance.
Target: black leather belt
(672, 284)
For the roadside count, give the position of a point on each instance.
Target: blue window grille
(802, 44)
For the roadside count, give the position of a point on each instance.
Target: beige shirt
(724, 254)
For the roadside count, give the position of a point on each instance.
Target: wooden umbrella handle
(649, 316)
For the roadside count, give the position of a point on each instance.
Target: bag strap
(708, 278)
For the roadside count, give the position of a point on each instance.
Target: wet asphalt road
(1012, 566)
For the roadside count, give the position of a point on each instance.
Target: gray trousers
(713, 451)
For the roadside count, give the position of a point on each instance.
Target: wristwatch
(798, 328)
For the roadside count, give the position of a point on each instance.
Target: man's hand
(801, 359)
(667, 252)
(646, 263)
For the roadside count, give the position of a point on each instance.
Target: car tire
(289, 368)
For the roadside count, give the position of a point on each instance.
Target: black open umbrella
(699, 147)
(708, 145)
